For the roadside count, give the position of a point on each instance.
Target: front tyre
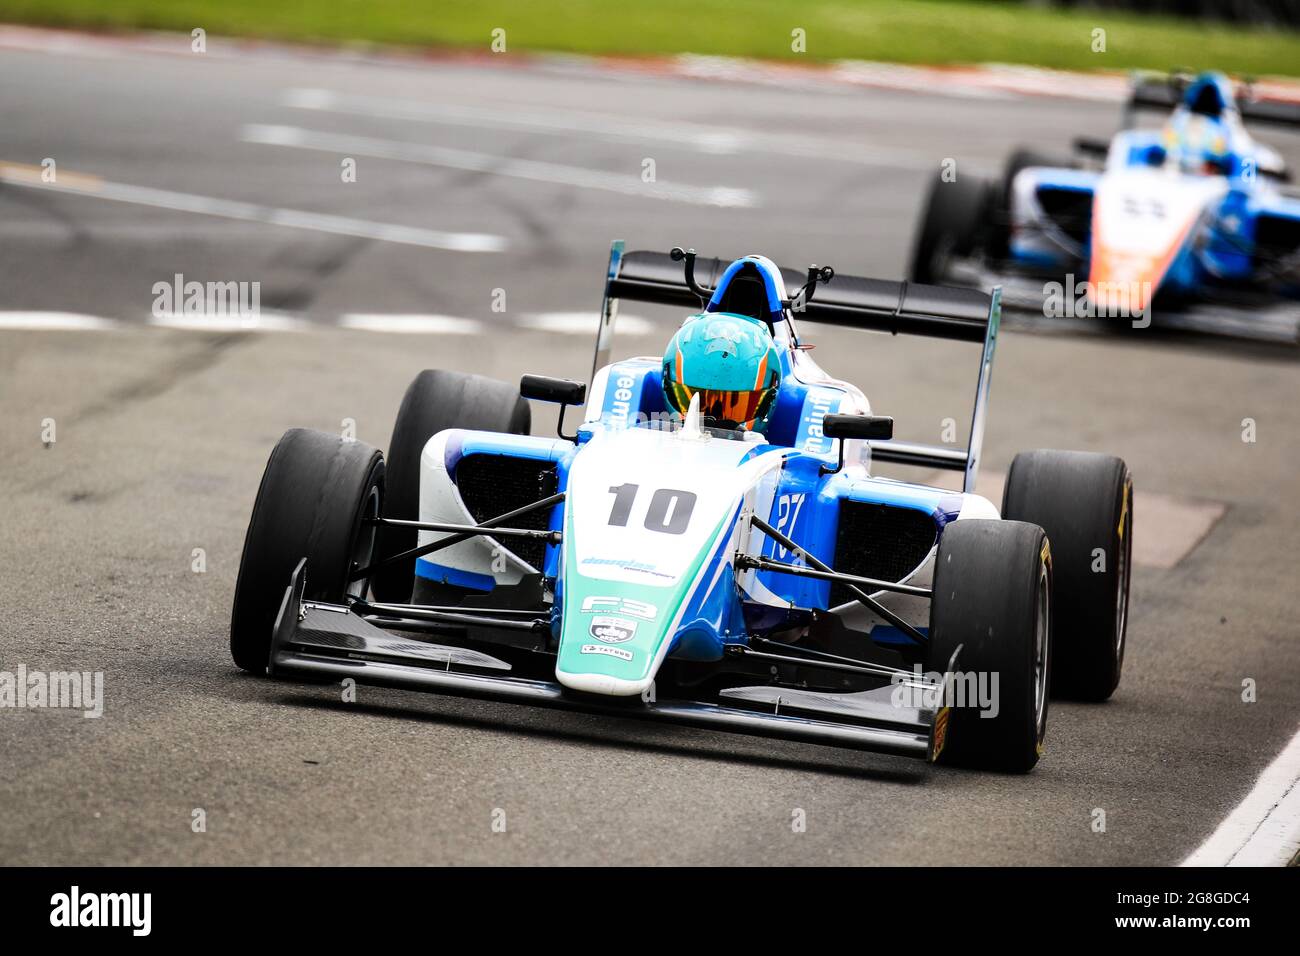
(434, 401)
(1084, 501)
(316, 494)
(992, 597)
(952, 226)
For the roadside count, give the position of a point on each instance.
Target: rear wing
(1149, 93)
(878, 305)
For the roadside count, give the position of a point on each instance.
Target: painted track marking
(16, 174)
(1264, 829)
(710, 139)
(55, 321)
(410, 324)
(584, 323)
(628, 183)
(263, 321)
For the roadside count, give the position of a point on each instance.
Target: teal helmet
(730, 361)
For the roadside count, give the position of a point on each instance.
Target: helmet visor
(722, 408)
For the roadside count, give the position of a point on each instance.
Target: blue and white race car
(709, 546)
(1188, 224)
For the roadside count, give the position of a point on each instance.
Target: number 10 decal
(669, 511)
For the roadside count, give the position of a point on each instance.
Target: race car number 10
(669, 511)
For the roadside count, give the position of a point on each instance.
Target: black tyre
(436, 400)
(1084, 502)
(992, 597)
(951, 227)
(315, 494)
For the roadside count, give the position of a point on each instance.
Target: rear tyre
(992, 597)
(1084, 501)
(315, 495)
(951, 227)
(435, 401)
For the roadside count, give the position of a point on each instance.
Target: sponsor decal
(619, 406)
(613, 630)
(620, 653)
(626, 565)
(618, 605)
(815, 441)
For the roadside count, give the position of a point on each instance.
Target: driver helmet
(1196, 144)
(730, 361)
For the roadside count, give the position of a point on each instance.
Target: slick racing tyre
(992, 597)
(435, 401)
(315, 495)
(1084, 501)
(951, 227)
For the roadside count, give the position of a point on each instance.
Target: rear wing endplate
(877, 305)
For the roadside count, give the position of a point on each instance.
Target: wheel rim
(363, 550)
(1123, 564)
(1042, 637)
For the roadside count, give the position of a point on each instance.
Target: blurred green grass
(908, 31)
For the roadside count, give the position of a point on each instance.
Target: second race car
(1187, 225)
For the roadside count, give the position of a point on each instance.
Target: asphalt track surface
(162, 435)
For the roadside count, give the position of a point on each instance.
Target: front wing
(316, 641)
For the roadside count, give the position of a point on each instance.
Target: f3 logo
(617, 605)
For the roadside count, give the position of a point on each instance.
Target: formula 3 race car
(1188, 225)
(656, 565)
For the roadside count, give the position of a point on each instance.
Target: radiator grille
(491, 485)
(879, 541)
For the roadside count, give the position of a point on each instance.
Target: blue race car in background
(1188, 224)
(654, 565)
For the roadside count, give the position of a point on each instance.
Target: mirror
(1091, 147)
(559, 391)
(864, 427)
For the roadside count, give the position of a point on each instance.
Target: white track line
(408, 324)
(55, 321)
(30, 177)
(628, 183)
(263, 321)
(710, 139)
(706, 139)
(1264, 829)
(584, 323)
